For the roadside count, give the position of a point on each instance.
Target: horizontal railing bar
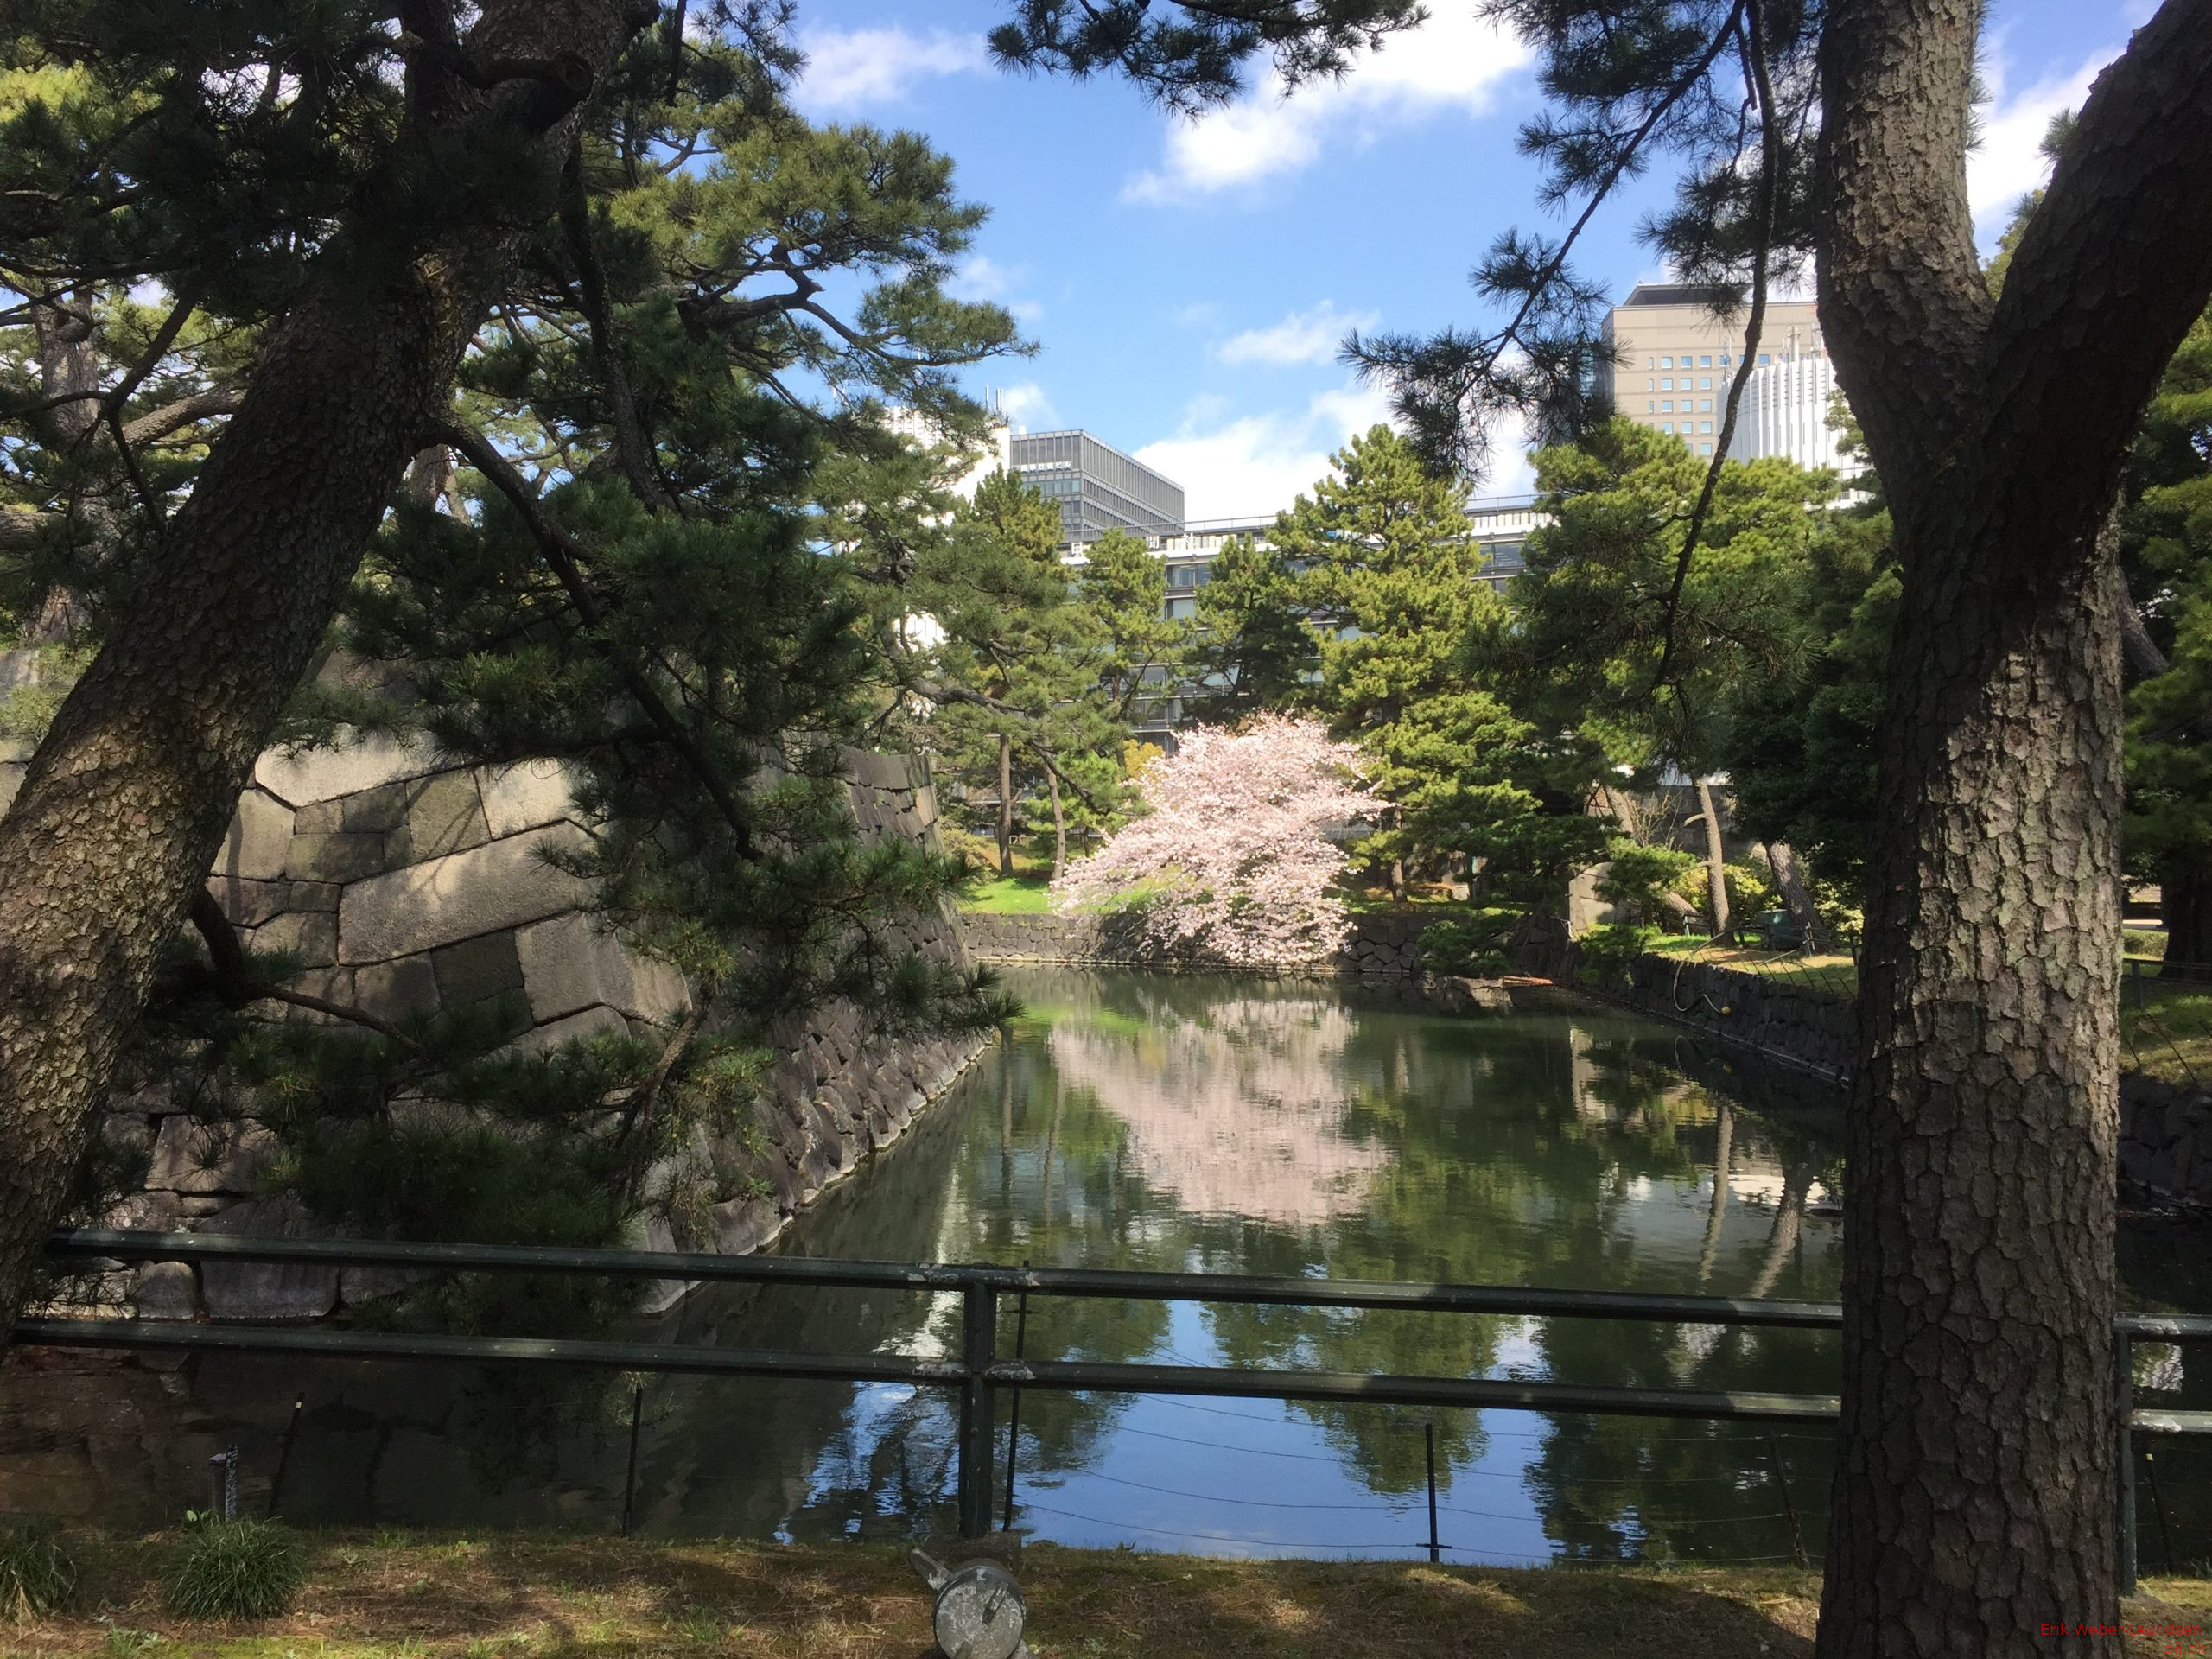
(1072, 1375)
(324, 1343)
(2166, 1328)
(1354, 1388)
(2170, 1422)
(1045, 1281)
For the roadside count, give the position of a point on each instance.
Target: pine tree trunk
(1974, 1487)
(1716, 861)
(2185, 907)
(1006, 804)
(1789, 882)
(1059, 828)
(127, 799)
(1976, 1463)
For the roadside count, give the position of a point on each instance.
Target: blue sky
(1187, 282)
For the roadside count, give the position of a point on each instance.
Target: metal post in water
(284, 1451)
(630, 1480)
(1789, 1504)
(979, 1317)
(2124, 1389)
(1428, 1442)
(1014, 1415)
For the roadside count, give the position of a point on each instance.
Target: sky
(1187, 282)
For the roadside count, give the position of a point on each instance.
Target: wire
(1226, 1538)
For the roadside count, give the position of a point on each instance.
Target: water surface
(1177, 1124)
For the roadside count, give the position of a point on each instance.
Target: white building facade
(1785, 413)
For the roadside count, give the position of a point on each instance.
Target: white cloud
(1257, 465)
(982, 277)
(1253, 466)
(1302, 337)
(2008, 162)
(847, 68)
(1028, 404)
(1451, 62)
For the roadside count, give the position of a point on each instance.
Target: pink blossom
(1234, 861)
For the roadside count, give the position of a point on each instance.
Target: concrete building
(994, 453)
(1500, 524)
(1785, 412)
(1671, 358)
(1096, 487)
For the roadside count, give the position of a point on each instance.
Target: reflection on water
(1171, 1124)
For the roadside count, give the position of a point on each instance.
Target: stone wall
(403, 885)
(2166, 1141)
(1379, 946)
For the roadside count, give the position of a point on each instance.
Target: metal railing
(978, 1372)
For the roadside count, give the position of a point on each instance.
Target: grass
(2167, 1030)
(37, 1572)
(1023, 893)
(234, 1569)
(1835, 974)
(523, 1597)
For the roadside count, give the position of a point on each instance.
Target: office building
(993, 453)
(1096, 487)
(1670, 359)
(1785, 412)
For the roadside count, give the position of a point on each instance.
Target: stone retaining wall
(2166, 1141)
(404, 885)
(1781, 1021)
(1379, 946)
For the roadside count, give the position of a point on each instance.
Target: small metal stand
(980, 1613)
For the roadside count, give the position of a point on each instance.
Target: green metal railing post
(979, 1341)
(2124, 1395)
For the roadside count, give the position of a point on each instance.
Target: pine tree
(1390, 585)
(618, 241)
(1255, 650)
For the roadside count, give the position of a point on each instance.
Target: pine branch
(568, 555)
(237, 986)
(1753, 41)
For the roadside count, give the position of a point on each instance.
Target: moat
(1174, 1124)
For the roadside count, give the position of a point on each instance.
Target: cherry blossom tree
(1233, 859)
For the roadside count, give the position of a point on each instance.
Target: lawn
(1026, 893)
(510, 1597)
(2165, 1027)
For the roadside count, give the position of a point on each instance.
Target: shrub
(1607, 951)
(37, 1572)
(234, 1569)
(1477, 943)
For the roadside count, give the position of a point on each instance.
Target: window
(1705, 362)
(1764, 359)
(1667, 385)
(1724, 359)
(1705, 426)
(1651, 362)
(1649, 385)
(1651, 406)
(1705, 383)
(1705, 448)
(1666, 426)
(1706, 403)
(1666, 362)
(1667, 404)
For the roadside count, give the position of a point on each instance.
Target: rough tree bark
(2185, 907)
(1974, 1491)
(1789, 882)
(1006, 804)
(126, 801)
(1716, 861)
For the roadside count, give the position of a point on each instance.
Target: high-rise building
(993, 453)
(1096, 487)
(1671, 358)
(1785, 412)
